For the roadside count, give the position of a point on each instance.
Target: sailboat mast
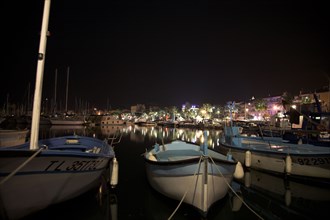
(39, 78)
(67, 90)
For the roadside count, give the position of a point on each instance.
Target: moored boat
(40, 173)
(61, 169)
(193, 174)
(302, 160)
(67, 121)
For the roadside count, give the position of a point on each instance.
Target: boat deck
(175, 155)
(283, 147)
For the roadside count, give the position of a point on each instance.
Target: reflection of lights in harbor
(154, 133)
(129, 128)
(199, 134)
(210, 143)
(168, 134)
(180, 131)
(202, 139)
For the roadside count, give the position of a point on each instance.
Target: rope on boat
(235, 192)
(184, 195)
(21, 166)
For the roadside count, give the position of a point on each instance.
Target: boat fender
(248, 158)
(247, 179)
(114, 173)
(151, 157)
(239, 172)
(288, 164)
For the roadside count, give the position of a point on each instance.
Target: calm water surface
(272, 197)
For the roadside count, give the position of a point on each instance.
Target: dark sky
(167, 52)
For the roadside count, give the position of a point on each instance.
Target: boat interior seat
(71, 148)
(175, 158)
(172, 155)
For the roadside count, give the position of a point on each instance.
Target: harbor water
(270, 196)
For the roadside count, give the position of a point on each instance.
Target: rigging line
(20, 167)
(184, 195)
(235, 192)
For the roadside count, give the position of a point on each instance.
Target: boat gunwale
(188, 161)
(243, 149)
(62, 149)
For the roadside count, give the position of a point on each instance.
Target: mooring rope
(184, 195)
(21, 166)
(235, 192)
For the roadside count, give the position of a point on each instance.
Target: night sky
(165, 53)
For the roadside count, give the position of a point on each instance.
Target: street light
(245, 112)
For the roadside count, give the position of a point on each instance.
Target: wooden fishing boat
(40, 173)
(60, 169)
(194, 174)
(271, 155)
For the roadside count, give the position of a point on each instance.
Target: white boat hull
(46, 181)
(302, 160)
(181, 171)
(194, 174)
(175, 187)
(310, 166)
(31, 180)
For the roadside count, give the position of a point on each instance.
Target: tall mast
(39, 78)
(67, 90)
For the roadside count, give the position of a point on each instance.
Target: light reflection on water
(270, 196)
(158, 134)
